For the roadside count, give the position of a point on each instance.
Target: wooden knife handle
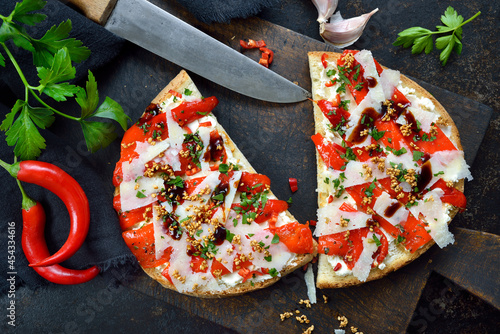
(96, 10)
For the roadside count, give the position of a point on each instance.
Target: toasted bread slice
(399, 255)
(181, 83)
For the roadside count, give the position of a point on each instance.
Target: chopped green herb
(218, 197)
(331, 72)
(400, 151)
(140, 194)
(229, 236)
(376, 134)
(273, 272)
(187, 92)
(377, 241)
(417, 155)
(369, 191)
(276, 239)
(359, 86)
(344, 104)
(178, 182)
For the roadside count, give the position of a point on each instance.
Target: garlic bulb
(325, 9)
(340, 32)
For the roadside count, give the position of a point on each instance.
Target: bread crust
(179, 83)
(326, 276)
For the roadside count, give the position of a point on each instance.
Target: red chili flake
(251, 44)
(337, 267)
(323, 60)
(176, 94)
(293, 184)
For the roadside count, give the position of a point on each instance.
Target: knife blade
(162, 33)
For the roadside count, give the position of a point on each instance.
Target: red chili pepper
(293, 184)
(69, 191)
(35, 248)
(251, 44)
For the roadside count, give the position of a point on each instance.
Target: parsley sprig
(53, 56)
(420, 39)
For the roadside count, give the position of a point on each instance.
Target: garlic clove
(325, 9)
(340, 32)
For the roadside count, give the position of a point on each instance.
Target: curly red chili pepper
(69, 191)
(35, 248)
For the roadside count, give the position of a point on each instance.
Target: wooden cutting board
(276, 140)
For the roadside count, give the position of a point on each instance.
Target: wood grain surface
(276, 140)
(96, 10)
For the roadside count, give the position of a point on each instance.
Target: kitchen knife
(162, 33)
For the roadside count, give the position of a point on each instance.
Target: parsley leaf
(111, 109)
(51, 78)
(53, 55)
(22, 11)
(88, 98)
(276, 239)
(23, 132)
(420, 39)
(55, 39)
(97, 134)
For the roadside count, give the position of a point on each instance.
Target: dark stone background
(443, 307)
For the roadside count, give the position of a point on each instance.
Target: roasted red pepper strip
(69, 191)
(333, 112)
(142, 244)
(253, 183)
(451, 195)
(35, 248)
(271, 210)
(327, 152)
(187, 112)
(218, 269)
(296, 237)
